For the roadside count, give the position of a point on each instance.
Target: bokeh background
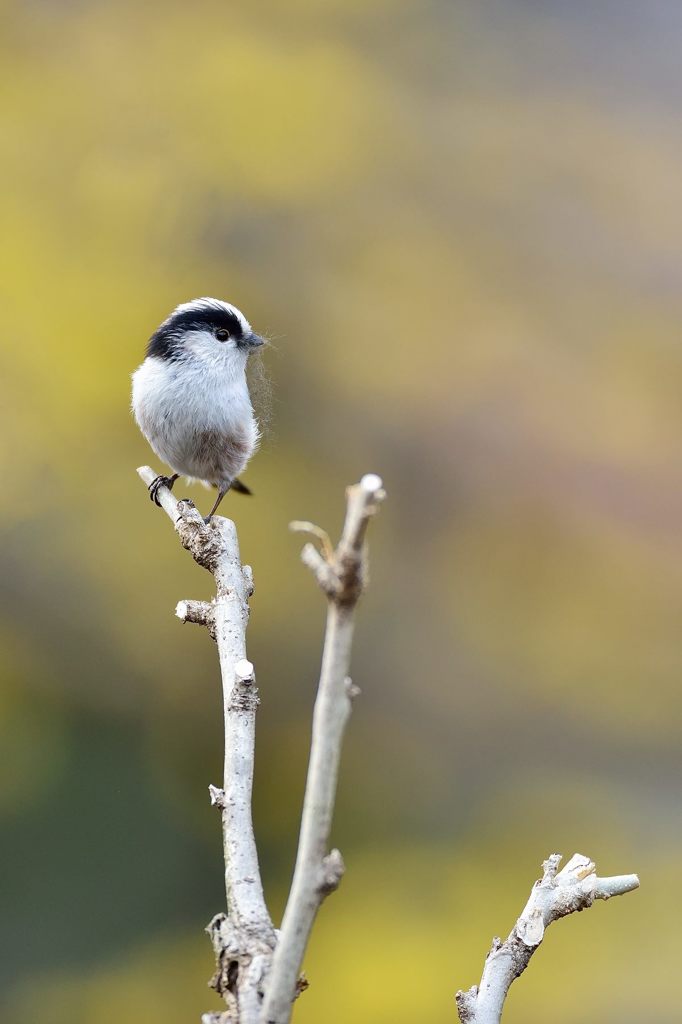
(461, 226)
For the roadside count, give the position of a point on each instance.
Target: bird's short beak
(254, 341)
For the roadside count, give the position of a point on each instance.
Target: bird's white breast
(178, 404)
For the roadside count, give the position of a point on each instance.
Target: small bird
(191, 399)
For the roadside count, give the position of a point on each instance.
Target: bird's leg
(161, 481)
(222, 491)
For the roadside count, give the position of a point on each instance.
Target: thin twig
(342, 575)
(555, 895)
(244, 938)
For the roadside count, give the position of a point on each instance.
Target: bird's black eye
(222, 334)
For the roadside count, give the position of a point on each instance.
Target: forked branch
(258, 972)
(555, 895)
(257, 983)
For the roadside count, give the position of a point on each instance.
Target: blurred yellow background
(461, 226)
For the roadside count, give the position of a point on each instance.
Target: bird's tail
(239, 487)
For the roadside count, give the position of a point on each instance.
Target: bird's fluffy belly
(209, 454)
(209, 437)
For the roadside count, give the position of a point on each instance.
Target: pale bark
(555, 895)
(257, 969)
(254, 982)
(318, 871)
(243, 939)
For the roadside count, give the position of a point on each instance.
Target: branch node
(352, 691)
(530, 930)
(199, 612)
(243, 672)
(303, 526)
(244, 695)
(322, 570)
(247, 573)
(579, 866)
(466, 1004)
(333, 869)
(373, 486)
(217, 796)
(550, 866)
(301, 985)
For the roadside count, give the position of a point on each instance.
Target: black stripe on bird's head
(221, 319)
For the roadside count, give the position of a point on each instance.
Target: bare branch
(555, 895)
(243, 940)
(303, 526)
(342, 575)
(199, 612)
(259, 985)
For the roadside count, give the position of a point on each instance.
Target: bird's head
(206, 328)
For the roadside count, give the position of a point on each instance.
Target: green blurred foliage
(460, 226)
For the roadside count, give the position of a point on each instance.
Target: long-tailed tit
(190, 396)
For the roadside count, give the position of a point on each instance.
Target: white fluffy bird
(191, 399)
